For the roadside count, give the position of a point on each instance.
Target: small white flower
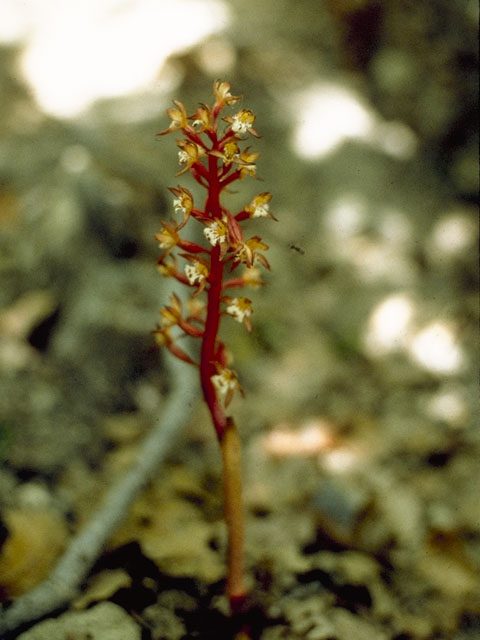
(251, 276)
(167, 238)
(166, 242)
(178, 206)
(212, 235)
(239, 308)
(194, 273)
(259, 207)
(183, 157)
(240, 126)
(261, 211)
(182, 203)
(231, 152)
(216, 233)
(249, 169)
(243, 121)
(225, 383)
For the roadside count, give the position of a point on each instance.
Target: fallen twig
(64, 581)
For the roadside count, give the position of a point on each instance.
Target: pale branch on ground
(86, 546)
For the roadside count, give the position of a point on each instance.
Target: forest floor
(360, 423)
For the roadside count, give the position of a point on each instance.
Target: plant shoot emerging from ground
(210, 150)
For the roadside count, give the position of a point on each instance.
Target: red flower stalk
(210, 152)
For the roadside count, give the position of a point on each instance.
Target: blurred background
(362, 368)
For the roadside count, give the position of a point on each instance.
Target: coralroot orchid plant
(210, 151)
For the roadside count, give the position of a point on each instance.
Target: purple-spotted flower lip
(216, 232)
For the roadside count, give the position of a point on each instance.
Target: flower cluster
(210, 150)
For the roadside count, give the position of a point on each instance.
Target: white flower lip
(242, 121)
(177, 204)
(193, 273)
(239, 309)
(216, 233)
(182, 157)
(225, 383)
(261, 210)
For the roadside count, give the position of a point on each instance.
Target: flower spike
(215, 159)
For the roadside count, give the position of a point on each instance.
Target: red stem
(231, 178)
(214, 291)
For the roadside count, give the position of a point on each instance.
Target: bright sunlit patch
(396, 139)
(436, 349)
(12, 22)
(449, 405)
(329, 114)
(313, 438)
(395, 227)
(376, 261)
(78, 52)
(346, 216)
(341, 459)
(382, 258)
(453, 234)
(389, 325)
(216, 57)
